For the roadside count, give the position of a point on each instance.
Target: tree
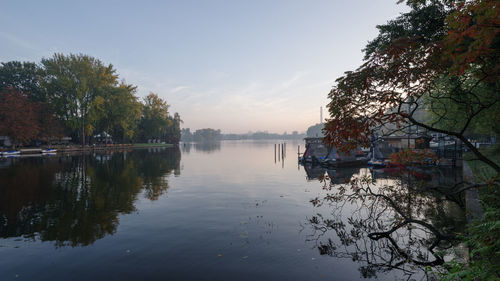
(24, 120)
(117, 110)
(23, 76)
(154, 121)
(439, 53)
(84, 95)
(18, 116)
(207, 135)
(72, 83)
(442, 57)
(315, 130)
(173, 134)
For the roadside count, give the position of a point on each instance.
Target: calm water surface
(225, 211)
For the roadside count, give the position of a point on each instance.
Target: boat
(318, 153)
(49, 150)
(10, 153)
(336, 158)
(315, 151)
(377, 163)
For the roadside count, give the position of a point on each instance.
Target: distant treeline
(80, 97)
(201, 135)
(215, 135)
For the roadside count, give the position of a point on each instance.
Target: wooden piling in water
(279, 152)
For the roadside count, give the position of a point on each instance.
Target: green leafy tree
(173, 134)
(154, 121)
(72, 83)
(117, 110)
(23, 76)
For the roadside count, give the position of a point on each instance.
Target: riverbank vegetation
(442, 59)
(80, 97)
(482, 235)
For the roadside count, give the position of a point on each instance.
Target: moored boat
(10, 153)
(318, 153)
(377, 163)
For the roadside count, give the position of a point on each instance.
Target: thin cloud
(179, 89)
(16, 41)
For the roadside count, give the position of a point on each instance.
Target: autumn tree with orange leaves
(441, 58)
(18, 116)
(23, 120)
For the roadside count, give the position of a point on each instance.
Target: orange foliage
(378, 92)
(23, 120)
(473, 33)
(18, 116)
(412, 156)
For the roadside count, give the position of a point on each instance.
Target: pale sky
(233, 65)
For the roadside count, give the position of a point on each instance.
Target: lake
(221, 211)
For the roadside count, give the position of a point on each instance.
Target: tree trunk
(83, 133)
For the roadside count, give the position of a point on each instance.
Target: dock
(31, 151)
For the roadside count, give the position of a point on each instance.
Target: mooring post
(283, 155)
(279, 152)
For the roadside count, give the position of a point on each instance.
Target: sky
(238, 66)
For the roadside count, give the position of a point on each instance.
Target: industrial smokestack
(321, 115)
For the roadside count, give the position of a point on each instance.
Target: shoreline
(35, 151)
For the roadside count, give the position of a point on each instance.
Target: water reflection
(75, 200)
(206, 146)
(401, 221)
(316, 172)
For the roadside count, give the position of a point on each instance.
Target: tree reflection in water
(75, 200)
(402, 222)
(203, 146)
